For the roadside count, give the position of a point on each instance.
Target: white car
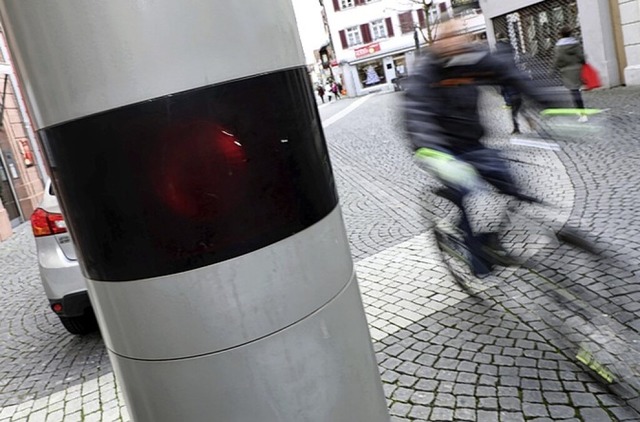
(60, 273)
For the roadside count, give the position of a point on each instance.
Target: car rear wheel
(80, 325)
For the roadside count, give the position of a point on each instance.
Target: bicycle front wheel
(455, 255)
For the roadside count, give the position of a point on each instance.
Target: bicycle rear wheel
(593, 329)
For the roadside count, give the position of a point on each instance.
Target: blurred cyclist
(443, 122)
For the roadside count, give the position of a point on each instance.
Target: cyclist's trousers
(494, 169)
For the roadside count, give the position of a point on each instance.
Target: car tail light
(46, 223)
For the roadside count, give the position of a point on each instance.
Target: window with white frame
(378, 29)
(370, 1)
(433, 16)
(344, 4)
(353, 36)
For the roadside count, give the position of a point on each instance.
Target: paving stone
(488, 403)
(465, 415)
(556, 397)
(407, 381)
(511, 416)
(594, 414)
(445, 400)
(447, 375)
(390, 376)
(487, 416)
(534, 410)
(407, 368)
(402, 394)
(510, 403)
(422, 398)
(427, 385)
(442, 414)
(584, 399)
(400, 409)
(465, 401)
(420, 412)
(561, 411)
(624, 413)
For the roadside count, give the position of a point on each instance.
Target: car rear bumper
(74, 304)
(60, 276)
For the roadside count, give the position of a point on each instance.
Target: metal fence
(533, 32)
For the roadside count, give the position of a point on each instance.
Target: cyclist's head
(451, 37)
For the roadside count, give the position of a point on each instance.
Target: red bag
(590, 77)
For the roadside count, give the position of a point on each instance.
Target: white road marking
(535, 143)
(331, 120)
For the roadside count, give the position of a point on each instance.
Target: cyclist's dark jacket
(441, 100)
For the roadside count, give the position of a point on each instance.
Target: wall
(18, 144)
(630, 21)
(28, 186)
(599, 40)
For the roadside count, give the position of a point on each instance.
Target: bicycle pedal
(587, 359)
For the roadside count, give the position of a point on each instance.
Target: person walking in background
(321, 93)
(568, 60)
(335, 90)
(510, 94)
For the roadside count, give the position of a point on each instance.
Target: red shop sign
(367, 49)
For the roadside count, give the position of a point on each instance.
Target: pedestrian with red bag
(568, 60)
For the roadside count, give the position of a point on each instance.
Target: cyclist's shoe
(482, 274)
(526, 198)
(499, 256)
(446, 193)
(491, 240)
(494, 252)
(480, 268)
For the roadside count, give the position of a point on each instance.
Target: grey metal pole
(185, 147)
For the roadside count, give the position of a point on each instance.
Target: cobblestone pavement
(443, 355)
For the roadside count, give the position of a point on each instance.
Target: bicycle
(591, 338)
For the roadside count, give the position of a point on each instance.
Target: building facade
(608, 29)
(375, 41)
(21, 169)
(628, 39)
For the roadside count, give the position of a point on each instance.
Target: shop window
(371, 73)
